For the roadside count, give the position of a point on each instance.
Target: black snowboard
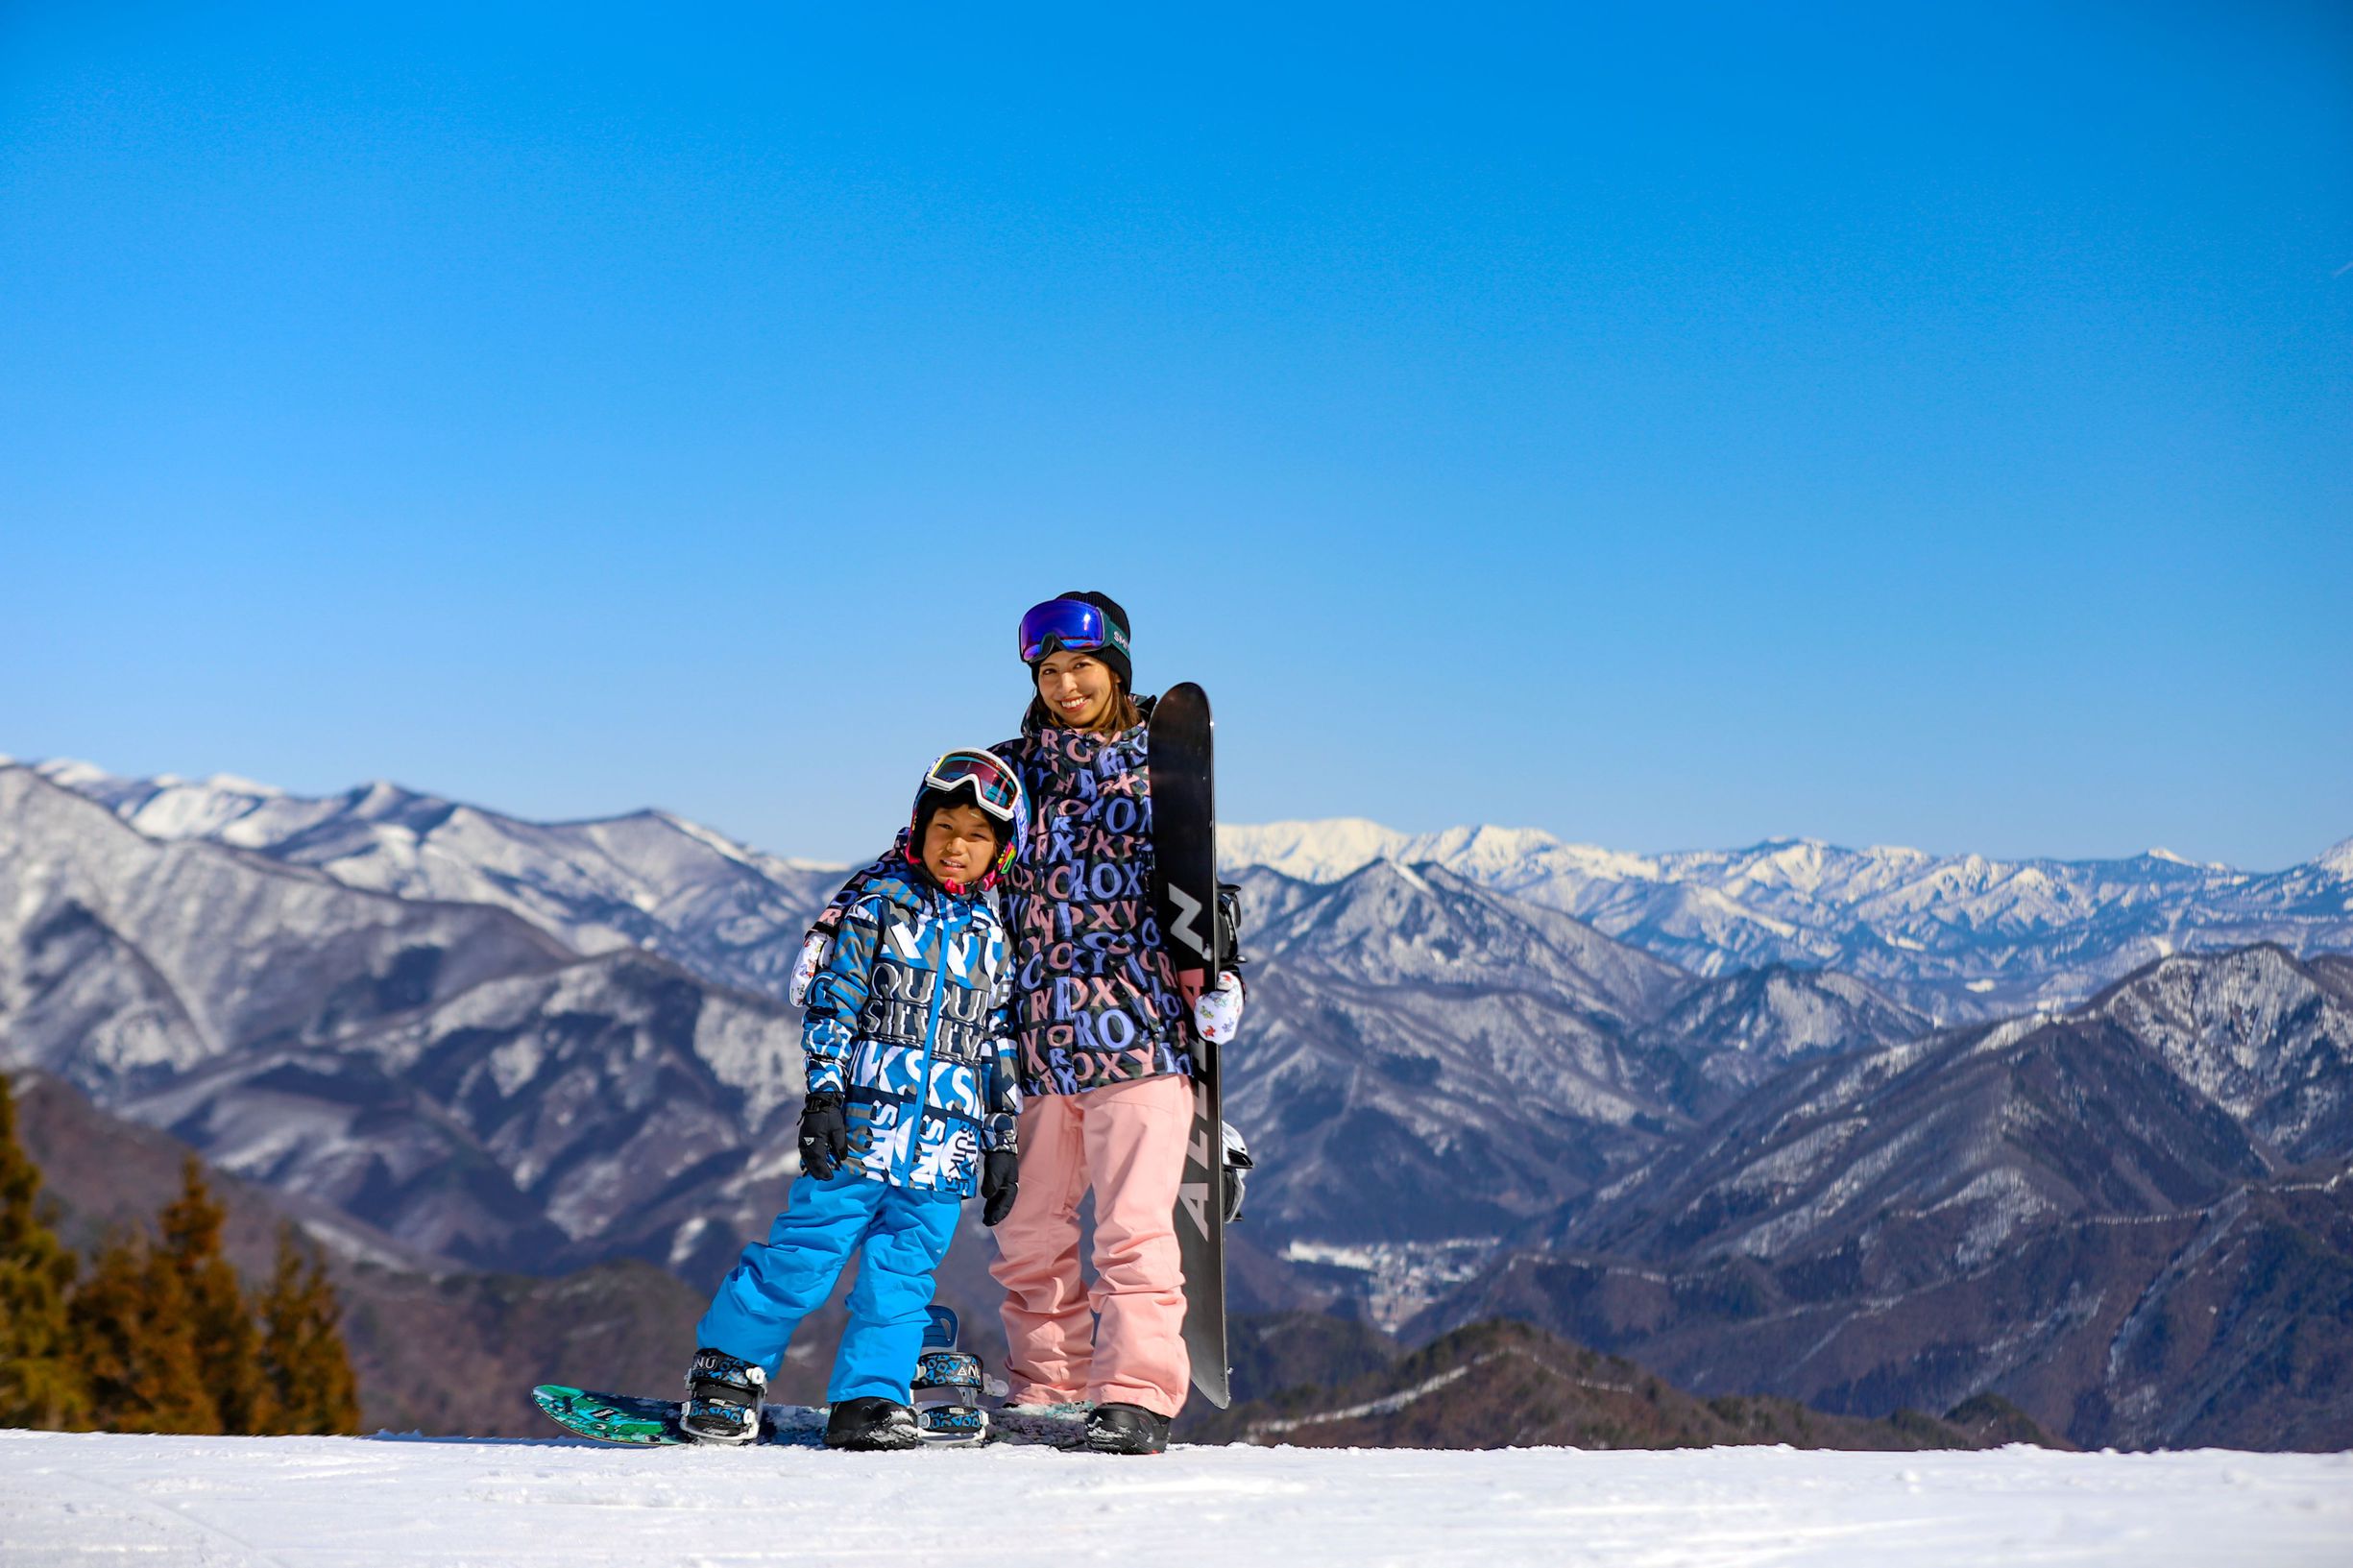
(1185, 893)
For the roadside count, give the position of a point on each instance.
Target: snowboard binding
(946, 1388)
(723, 1398)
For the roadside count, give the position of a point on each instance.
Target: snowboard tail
(630, 1421)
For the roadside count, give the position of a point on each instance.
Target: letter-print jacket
(908, 1021)
(1095, 997)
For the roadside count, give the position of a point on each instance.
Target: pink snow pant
(1124, 1340)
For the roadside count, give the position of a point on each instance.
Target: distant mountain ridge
(2134, 1219)
(1957, 937)
(645, 879)
(1953, 938)
(530, 1045)
(1432, 1058)
(449, 1072)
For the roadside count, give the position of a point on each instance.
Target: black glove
(1000, 1180)
(825, 1135)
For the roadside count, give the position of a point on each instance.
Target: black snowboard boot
(1126, 1428)
(870, 1424)
(723, 1394)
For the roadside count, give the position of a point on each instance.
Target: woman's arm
(1000, 1075)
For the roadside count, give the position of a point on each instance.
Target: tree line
(157, 1333)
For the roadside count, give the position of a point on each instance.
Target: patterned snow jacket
(1095, 996)
(908, 1020)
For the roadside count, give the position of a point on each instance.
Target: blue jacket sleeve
(838, 995)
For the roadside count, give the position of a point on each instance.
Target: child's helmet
(979, 777)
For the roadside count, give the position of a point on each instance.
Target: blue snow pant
(900, 1235)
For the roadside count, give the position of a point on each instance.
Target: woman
(1106, 1045)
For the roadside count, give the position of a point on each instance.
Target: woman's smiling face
(1078, 688)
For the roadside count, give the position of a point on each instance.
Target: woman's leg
(905, 1242)
(1135, 1144)
(1049, 1329)
(777, 1282)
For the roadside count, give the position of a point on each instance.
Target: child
(912, 1100)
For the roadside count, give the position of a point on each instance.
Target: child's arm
(838, 995)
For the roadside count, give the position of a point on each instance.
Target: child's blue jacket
(909, 1023)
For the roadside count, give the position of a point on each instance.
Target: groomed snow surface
(300, 1501)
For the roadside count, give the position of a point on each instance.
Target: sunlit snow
(298, 1502)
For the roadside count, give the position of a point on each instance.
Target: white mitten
(805, 969)
(1218, 1012)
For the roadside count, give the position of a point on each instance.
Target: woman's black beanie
(1121, 664)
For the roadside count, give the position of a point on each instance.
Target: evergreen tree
(228, 1347)
(40, 1382)
(303, 1353)
(136, 1346)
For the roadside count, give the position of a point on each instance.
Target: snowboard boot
(871, 1424)
(1126, 1428)
(723, 1394)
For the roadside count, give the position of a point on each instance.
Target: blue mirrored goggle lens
(1071, 623)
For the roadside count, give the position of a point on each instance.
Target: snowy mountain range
(1484, 1072)
(1957, 937)
(1433, 1058)
(2134, 1219)
(648, 880)
(1950, 937)
(447, 1071)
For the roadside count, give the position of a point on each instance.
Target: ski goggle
(1068, 626)
(992, 783)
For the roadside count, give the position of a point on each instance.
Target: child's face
(958, 845)
(1078, 688)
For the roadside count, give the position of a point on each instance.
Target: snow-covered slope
(446, 1071)
(1740, 1028)
(357, 1503)
(123, 958)
(2122, 1217)
(1429, 1058)
(613, 1107)
(1953, 936)
(648, 880)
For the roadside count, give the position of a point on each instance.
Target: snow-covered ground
(302, 1501)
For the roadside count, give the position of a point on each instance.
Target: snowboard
(946, 1393)
(1193, 930)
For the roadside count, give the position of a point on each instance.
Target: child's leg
(905, 1242)
(1049, 1329)
(1135, 1144)
(777, 1282)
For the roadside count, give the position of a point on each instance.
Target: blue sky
(1669, 426)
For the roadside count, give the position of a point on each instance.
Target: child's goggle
(1067, 626)
(993, 785)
